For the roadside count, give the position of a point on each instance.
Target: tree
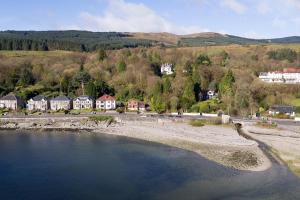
(167, 85)
(157, 102)
(122, 66)
(226, 89)
(91, 89)
(203, 60)
(65, 84)
(188, 96)
(224, 58)
(26, 76)
(226, 84)
(102, 55)
(81, 78)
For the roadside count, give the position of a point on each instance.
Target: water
(80, 166)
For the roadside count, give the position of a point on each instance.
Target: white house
(38, 103)
(83, 102)
(11, 102)
(166, 69)
(288, 76)
(60, 103)
(106, 102)
(212, 94)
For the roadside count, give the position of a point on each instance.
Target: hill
(91, 41)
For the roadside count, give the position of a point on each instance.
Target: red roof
(290, 70)
(106, 98)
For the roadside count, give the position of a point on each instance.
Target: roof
(39, 98)
(290, 70)
(283, 109)
(61, 98)
(83, 98)
(10, 97)
(106, 98)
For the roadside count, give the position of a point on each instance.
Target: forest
(134, 73)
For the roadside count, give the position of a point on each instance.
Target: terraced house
(83, 102)
(106, 102)
(40, 103)
(11, 102)
(61, 103)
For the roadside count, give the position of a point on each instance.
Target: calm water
(71, 166)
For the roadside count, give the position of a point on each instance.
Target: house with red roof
(106, 102)
(135, 105)
(288, 75)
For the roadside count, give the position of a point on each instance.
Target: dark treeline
(67, 40)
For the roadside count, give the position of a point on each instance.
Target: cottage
(60, 103)
(166, 69)
(106, 102)
(212, 94)
(40, 103)
(279, 109)
(11, 102)
(135, 105)
(83, 102)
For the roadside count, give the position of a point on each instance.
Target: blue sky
(247, 18)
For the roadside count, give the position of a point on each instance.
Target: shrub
(209, 121)
(266, 124)
(97, 119)
(197, 123)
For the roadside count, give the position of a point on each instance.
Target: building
(11, 102)
(279, 109)
(135, 105)
(60, 103)
(212, 94)
(83, 102)
(40, 103)
(288, 76)
(166, 69)
(106, 102)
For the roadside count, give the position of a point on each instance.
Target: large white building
(106, 102)
(60, 103)
(11, 102)
(166, 69)
(83, 102)
(38, 103)
(288, 76)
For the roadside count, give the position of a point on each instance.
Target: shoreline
(220, 144)
(284, 144)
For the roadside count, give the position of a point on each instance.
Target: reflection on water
(72, 166)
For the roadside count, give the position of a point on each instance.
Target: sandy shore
(217, 143)
(284, 143)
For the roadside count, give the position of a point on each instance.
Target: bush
(209, 121)
(97, 119)
(120, 110)
(197, 123)
(266, 124)
(208, 106)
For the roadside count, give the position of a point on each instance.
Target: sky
(246, 18)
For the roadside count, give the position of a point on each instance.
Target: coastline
(216, 143)
(283, 143)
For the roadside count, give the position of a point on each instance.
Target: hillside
(134, 73)
(91, 41)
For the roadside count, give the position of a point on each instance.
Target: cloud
(234, 5)
(253, 35)
(294, 3)
(122, 16)
(263, 8)
(279, 23)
